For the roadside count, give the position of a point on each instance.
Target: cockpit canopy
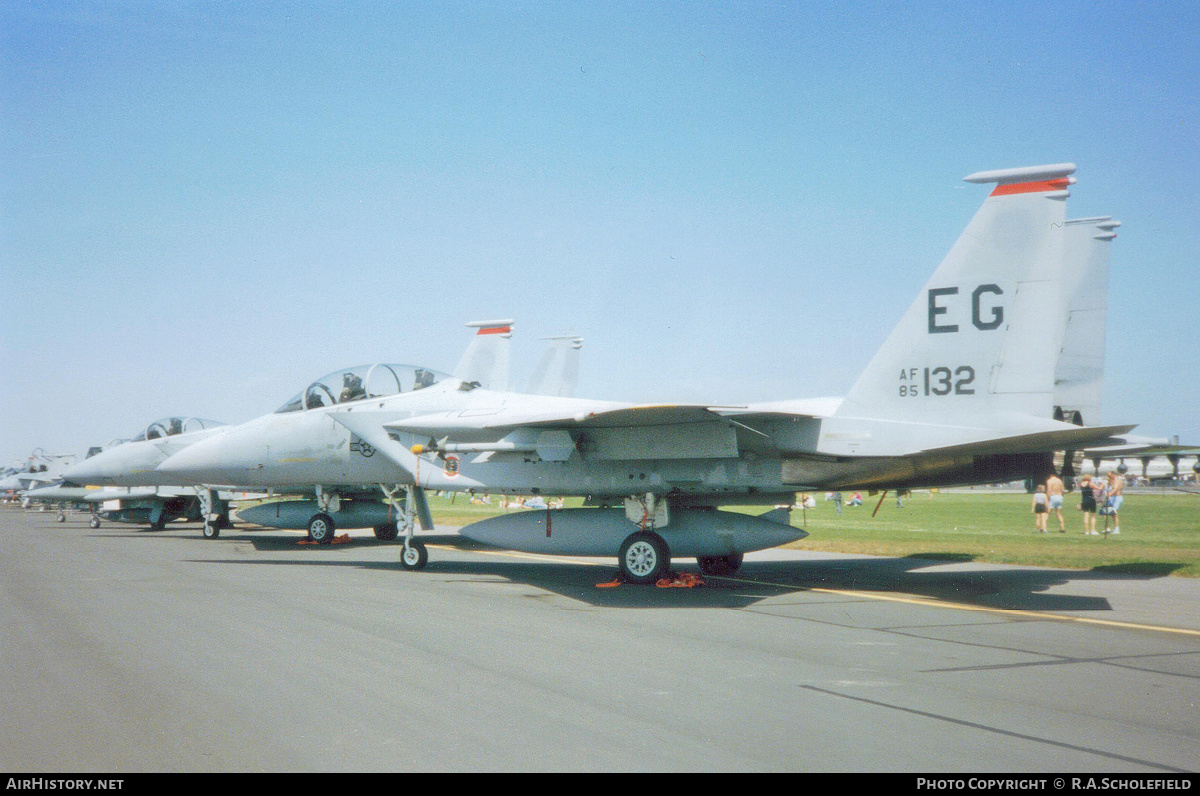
(362, 381)
(170, 426)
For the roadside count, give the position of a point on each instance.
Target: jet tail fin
(558, 371)
(983, 335)
(486, 359)
(1079, 377)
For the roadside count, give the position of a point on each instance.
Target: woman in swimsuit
(1087, 504)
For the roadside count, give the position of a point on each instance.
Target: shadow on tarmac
(921, 575)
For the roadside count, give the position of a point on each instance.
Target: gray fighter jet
(962, 392)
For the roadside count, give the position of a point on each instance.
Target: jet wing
(667, 431)
(473, 420)
(120, 493)
(602, 431)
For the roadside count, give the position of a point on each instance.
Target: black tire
(386, 533)
(414, 556)
(94, 522)
(644, 557)
(211, 530)
(321, 529)
(720, 565)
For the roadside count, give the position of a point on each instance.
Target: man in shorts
(1116, 485)
(1054, 491)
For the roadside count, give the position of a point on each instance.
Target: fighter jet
(300, 448)
(306, 452)
(131, 462)
(961, 392)
(41, 469)
(136, 494)
(56, 495)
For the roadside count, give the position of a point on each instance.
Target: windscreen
(362, 382)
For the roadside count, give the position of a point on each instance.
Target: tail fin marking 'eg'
(983, 335)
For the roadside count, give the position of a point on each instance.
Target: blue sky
(208, 205)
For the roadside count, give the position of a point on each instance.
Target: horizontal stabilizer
(1074, 438)
(1134, 445)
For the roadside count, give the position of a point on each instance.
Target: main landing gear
(720, 565)
(321, 526)
(644, 557)
(387, 532)
(320, 529)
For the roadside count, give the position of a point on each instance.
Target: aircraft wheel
(211, 530)
(320, 529)
(62, 517)
(414, 556)
(644, 557)
(720, 565)
(387, 532)
(95, 523)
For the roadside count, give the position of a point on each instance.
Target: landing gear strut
(413, 556)
(214, 512)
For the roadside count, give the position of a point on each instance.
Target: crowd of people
(1097, 497)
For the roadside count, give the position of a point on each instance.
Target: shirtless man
(1116, 485)
(1054, 490)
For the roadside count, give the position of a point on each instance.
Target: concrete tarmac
(126, 650)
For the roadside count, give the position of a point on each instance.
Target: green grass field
(1160, 533)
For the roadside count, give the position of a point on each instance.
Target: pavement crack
(996, 730)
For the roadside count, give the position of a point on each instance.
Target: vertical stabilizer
(486, 359)
(984, 333)
(558, 370)
(1079, 377)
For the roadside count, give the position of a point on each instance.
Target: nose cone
(206, 462)
(90, 472)
(131, 464)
